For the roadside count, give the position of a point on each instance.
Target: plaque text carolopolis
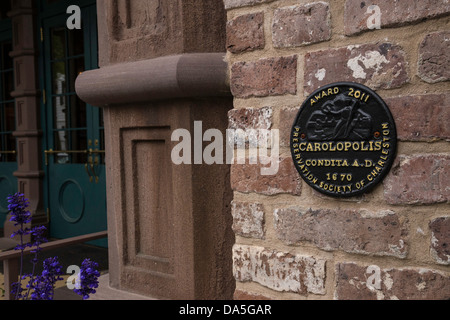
(343, 140)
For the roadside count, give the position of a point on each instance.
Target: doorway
(73, 150)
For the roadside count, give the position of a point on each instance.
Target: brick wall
(294, 243)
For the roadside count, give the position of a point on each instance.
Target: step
(105, 292)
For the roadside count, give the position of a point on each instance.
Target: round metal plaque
(343, 140)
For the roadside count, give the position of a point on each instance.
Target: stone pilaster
(26, 94)
(162, 69)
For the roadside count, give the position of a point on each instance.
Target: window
(69, 118)
(7, 108)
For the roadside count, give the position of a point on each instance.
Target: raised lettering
(302, 146)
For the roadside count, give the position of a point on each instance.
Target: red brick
(364, 232)
(247, 178)
(279, 271)
(287, 118)
(301, 25)
(265, 77)
(440, 240)
(378, 66)
(418, 179)
(245, 295)
(393, 13)
(246, 33)
(257, 119)
(357, 282)
(231, 4)
(250, 118)
(421, 117)
(434, 57)
(248, 219)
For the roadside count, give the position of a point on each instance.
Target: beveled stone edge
(178, 76)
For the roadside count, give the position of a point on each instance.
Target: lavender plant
(41, 287)
(88, 279)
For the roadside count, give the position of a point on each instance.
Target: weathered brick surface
(247, 178)
(440, 240)
(418, 179)
(248, 219)
(434, 119)
(250, 118)
(336, 42)
(379, 233)
(246, 33)
(245, 295)
(279, 271)
(393, 13)
(250, 125)
(230, 4)
(265, 77)
(357, 282)
(378, 66)
(434, 57)
(287, 118)
(301, 25)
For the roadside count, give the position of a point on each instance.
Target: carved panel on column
(21, 144)
(142, 29)
(147, 232)
(145, 29)
(139, 18)
(19, 112)
(23, 187)
(18, 73)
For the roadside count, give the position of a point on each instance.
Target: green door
(8, 163)
(74, 136)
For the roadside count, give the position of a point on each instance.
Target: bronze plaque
(343, 140)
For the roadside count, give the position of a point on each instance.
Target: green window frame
(7, 102)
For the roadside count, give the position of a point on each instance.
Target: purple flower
(88, 279)
(41, 287)
(44, 284)
(16, 290)
(18, 205)
(38, 237)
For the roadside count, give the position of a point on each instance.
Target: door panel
(76, 205)
(75, 180)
